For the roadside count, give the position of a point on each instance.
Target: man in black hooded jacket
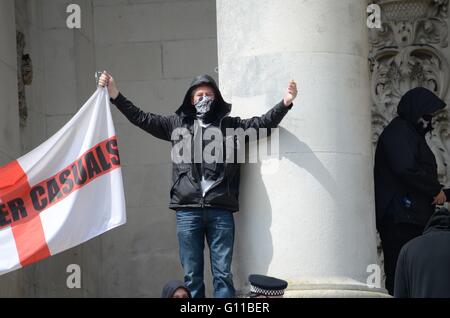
(406, 181)
(204, 194)
(423, 267)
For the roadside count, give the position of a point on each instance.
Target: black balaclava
(425, 125)
(417, 107)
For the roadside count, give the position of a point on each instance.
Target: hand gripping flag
(63, 193)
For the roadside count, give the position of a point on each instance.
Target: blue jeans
(217, 225)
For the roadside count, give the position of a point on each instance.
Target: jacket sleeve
(401, 289)
(159, 126)
(271, 119)
(401, 154)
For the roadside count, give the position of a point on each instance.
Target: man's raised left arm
(273, 117)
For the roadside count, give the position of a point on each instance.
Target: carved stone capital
(411, 22)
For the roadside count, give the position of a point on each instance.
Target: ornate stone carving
(405, 53)
(411, 22)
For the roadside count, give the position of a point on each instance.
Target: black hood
(440, 220)
(418, 102)
(219, 107)
(171, 287)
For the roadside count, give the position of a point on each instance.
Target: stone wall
(153, 49)
(10, 285)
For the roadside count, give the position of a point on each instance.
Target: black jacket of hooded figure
(171, 287)
(405, 167)
(423, 267)
(186, 189)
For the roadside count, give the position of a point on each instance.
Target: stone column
(311, 222)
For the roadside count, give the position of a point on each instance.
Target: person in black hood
(204, 194)
(423, 267)
(406, 181)
(175, 289)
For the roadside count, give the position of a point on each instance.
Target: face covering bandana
(203, 106)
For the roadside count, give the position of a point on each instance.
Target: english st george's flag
(63, 193)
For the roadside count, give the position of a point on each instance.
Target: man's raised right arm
(159, 126)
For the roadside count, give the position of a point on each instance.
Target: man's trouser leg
(393, 237)
(191, 240)
(220, 237)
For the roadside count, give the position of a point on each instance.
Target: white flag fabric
(65, 192)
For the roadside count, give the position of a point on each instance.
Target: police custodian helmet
(261, 285)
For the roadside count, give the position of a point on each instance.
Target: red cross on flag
(63, 193)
